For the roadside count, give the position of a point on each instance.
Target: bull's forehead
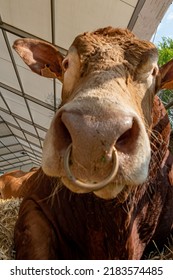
(114, 46)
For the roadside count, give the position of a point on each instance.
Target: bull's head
(99, 138)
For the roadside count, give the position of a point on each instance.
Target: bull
(105, 187)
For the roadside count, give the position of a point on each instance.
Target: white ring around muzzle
(86, 185)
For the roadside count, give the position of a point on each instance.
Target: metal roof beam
(28, 97)
(18, 32)
(135, 14)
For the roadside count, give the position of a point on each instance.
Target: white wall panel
(16, 104)
(32, 16)
(81, 16)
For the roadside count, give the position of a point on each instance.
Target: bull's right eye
(65, 64)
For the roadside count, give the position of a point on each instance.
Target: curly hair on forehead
(110, 45)
(123, 37)
(102, 36)
(111, 32)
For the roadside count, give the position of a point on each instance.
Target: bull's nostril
(67, 136)
(63, 135)
(126, 143)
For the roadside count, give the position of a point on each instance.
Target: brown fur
(95, 46)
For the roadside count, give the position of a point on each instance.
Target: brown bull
(105, 191)
(12, 183)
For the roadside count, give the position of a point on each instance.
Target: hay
(8, 214)
(165, 254)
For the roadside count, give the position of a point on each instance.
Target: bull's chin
(109, 191)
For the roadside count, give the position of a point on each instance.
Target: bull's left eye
(65, 64)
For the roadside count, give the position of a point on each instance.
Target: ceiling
(28, 101)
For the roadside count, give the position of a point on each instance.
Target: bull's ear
(42, 57)
(166, 75)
